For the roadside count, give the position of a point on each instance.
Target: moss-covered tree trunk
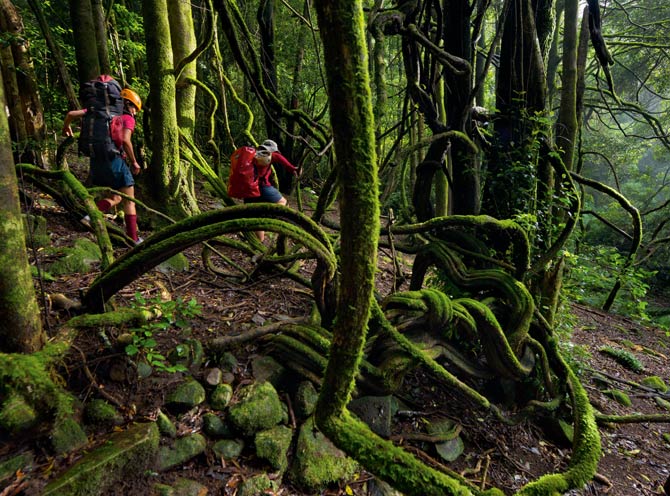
(342, 32)
(182, 34)
(100, 26)
(26, 113)
(166, 177)
(20, 324)
(85, 41)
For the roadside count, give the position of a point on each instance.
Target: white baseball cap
(270, 145)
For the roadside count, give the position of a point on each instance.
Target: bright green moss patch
(618, 396)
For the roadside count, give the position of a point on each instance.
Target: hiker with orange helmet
(116, 170)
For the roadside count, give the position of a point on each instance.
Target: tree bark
(342, 33)
(26, 113)
(100, 26)
(85, 41)
(166, 176)
(20, 324)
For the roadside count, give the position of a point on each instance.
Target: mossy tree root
(188, 232)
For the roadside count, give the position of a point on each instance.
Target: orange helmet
(132, 97)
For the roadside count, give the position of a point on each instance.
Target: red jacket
(264, 173)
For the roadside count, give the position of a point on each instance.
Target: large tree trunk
(20, 325)
(343, 37)
(85, 41)
(166, 177)
(26, 113)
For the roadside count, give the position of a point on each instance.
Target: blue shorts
(113, 173)
(269, 194)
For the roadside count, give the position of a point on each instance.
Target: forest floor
(636, 459)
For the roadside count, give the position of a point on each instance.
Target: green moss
(16, 415)
(624, 358)
(78, 259)
(31, 376)
(655, 382)
(618, 396)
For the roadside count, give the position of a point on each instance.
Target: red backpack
(243, 178)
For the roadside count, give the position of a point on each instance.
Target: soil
(636, 458)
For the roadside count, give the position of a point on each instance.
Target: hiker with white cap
(268, 155)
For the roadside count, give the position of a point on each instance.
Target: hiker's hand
(135, 168)
(67, 131)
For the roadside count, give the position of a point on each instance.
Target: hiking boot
(140, 239)
(86, 220)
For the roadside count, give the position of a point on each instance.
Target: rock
(259, 408)
(267, 369)
(273, 446)
(188, 487)
(228, 362)
(376, 411)
(228, 448)
(318, 462)
(17, 415)
(213, 376)
(221, 396)
(67, 435)
(126, 454)
(100, 413)
(258, 485)
(305, 399)
(165, 425)
(176, 263)
(183, 450)
(187, 395)
(214, 426)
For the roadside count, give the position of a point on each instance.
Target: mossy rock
(126, 454)
(78, 259)
(221, 396)
(305, 399)
(215, 427)
(176, 263)
(273, 446)
(17, 415)
(186, 395)
(257, 485)
(228, 448)
(67, 435)
(100, 413)
(165, 425)
(318, 462)
(181, 451)
(259, 408)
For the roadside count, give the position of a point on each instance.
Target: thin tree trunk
(56, 53)
(100, 26)
(26, 113)
(20, 324)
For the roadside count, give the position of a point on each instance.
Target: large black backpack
(101, 97)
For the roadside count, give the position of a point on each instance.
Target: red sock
(103, 205)
(131, 225)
